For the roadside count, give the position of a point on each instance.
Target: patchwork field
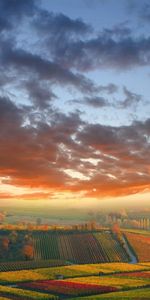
(77, 280)
(56, 270)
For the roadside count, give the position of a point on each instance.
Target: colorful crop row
(69, 271)
(140, 244)
(55, 248)
(93, 247)
(11, 291)
(27, 265)
(68, 288)
(113, 281)
(111, 247)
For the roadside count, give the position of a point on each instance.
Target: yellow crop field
(25, 293)
(107, 268)
(4, 298)
(70, 271)
(111, 281)
(17, 276)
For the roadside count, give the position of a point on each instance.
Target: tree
(116, 229)
(5, 243)
(28, 251)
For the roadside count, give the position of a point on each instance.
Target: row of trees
(15, 245)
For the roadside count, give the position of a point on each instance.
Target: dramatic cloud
(119, 154)
(48, 146)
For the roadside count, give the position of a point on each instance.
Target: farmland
(72, 271)
(136, 294)
(78, 280)
(141, 245)
(55, 247)
(84, 265)
(93, 247)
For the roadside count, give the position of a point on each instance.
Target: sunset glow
(74, 103)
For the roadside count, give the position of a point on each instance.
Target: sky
(74, 102)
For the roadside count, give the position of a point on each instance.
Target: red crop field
(68, 288)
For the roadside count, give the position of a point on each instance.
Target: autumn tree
(117, 232)
(28, 251)
(116, 229)
(5, 243)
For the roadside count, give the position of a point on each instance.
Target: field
(74, 265)
(140, 244)
(136, 294)
(95, 247)
(77, 280)
(58, 248)
(69, 272)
